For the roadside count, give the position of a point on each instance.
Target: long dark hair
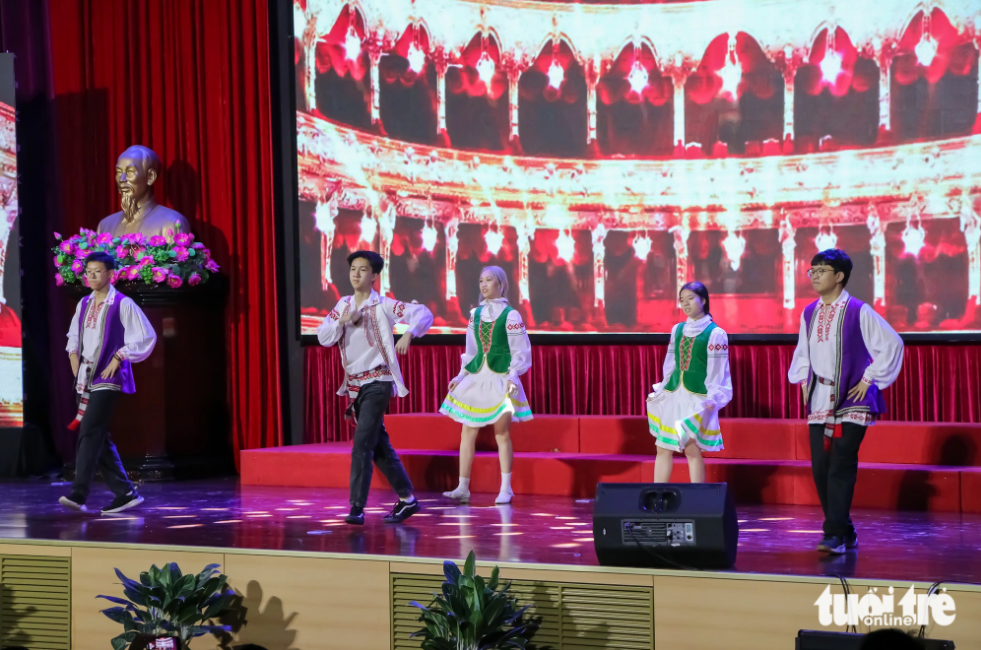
(701, 291)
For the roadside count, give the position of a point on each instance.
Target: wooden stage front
(309, 581)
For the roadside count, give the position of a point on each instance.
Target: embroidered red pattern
(369, 374)
(686, 347)
(333, 315)
(486, 335)
(399, 309)
(718, 347)
(92, 318)
(826, 319)
(516, 327)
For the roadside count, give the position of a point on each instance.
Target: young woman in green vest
(683, 410)
(488, 390)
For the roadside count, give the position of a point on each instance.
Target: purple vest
(113, 338)
(853, 360)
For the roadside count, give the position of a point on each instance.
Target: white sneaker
(504, 497)
(461, 494)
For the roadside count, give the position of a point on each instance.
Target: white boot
(505, 495)
(461, 493)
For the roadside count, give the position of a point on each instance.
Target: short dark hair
(99, 256)
(376, 261)
(838, 260)
(890, 639)
(699, 290)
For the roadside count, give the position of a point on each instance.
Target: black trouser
(371, 443)
(835, 472)
(95, 448)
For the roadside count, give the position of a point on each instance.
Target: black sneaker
(356, 517)
(73, 502)
(832, 544)
(851, 540)
(124, 502)
(402, 511)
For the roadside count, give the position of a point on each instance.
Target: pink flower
(85, 280)
(211, 266)
(175, 281)
(104, 239)
(145, 260)
(121, 252)
(113, 278)
(137, 238)
(184, 239)
(159, 274)
(194, 280)
(58, 236)
(180, 253)
(137, 251)
(65, 247)
(55, 260)
(197, 246)
(158, 240)
(134, 272)
(81, 254)
(59, 280)
(77, 267)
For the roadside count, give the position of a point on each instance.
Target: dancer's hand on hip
(859, 391)
(111, 369)
(402, 347)
(453, 384)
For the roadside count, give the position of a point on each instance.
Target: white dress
(481, 398)
(674, 418)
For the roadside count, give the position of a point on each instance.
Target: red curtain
(939, 383)
(190, 80)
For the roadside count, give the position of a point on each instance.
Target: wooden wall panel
(312, 603)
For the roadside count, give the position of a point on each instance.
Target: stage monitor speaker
(825, 640)
(665, 525)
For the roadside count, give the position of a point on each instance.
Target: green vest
(499, 355)
(690, 370)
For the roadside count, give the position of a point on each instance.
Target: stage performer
(683, 409)
(488, 389)
(846, 355)
(108, 334)
(361, 325)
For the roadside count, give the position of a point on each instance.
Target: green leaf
(470, 566)
(118, 615)
(494, 579)
(122, 641)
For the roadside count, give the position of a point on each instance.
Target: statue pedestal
(177, 423)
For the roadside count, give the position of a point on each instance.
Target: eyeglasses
(813, 273)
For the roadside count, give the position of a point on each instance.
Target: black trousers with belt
(835, 471)
(95, 449)
(372, 445)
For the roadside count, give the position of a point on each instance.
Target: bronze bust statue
(137, 169)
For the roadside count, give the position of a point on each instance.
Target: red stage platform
(904, 466)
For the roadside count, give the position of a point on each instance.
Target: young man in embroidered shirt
(108, 334)
(361, 325)
(846, 355)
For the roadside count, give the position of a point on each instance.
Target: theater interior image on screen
(11, 370)
(605, 154)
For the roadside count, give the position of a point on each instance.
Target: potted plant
(166, 609)
(471, 614)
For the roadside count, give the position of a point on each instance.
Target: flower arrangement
(139, 259)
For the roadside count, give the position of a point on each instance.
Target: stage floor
(903, 546)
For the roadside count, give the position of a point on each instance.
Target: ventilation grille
(574, 616)
(35, 602)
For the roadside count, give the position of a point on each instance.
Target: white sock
(464, 483)
(505, 482)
